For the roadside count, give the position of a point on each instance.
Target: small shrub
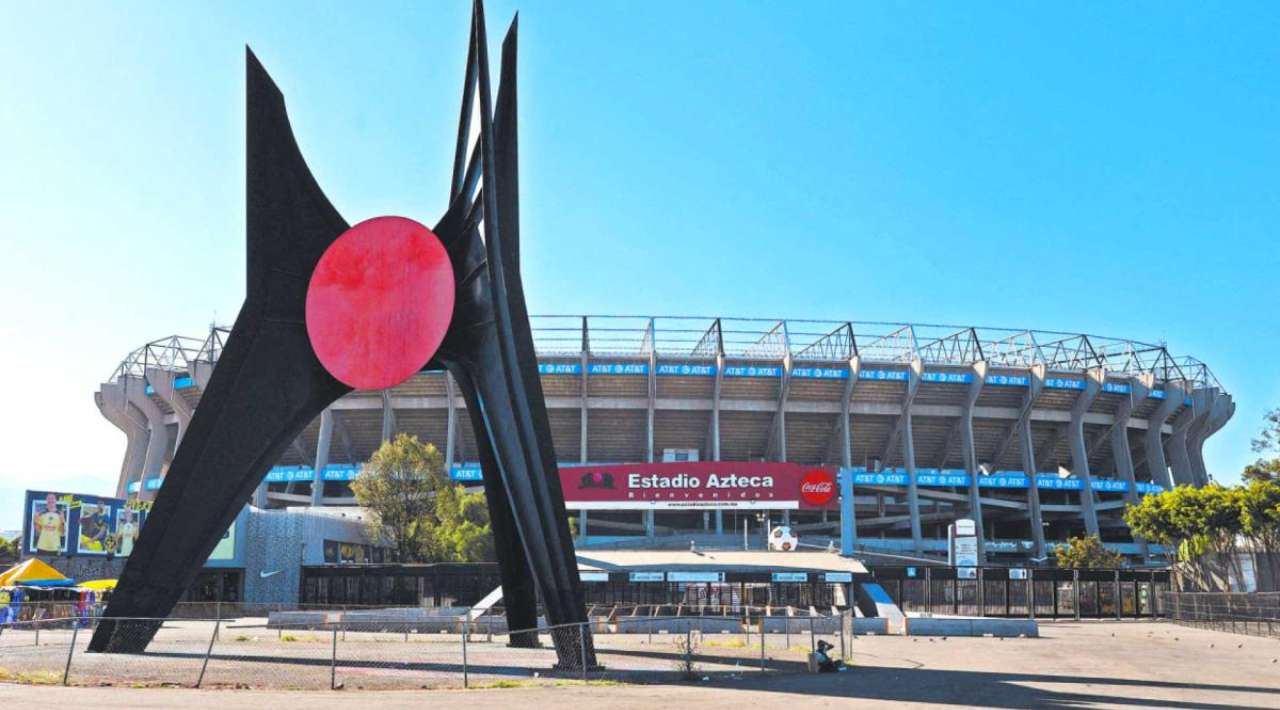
(31, 678)
(687, 645)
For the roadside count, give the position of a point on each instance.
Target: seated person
(826, 664)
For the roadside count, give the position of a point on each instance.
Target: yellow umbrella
(99, 585)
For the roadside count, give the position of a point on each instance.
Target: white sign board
(963, 547)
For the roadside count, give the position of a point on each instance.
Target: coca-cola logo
(818, 487)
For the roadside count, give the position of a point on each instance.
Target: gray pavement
(1074, 665)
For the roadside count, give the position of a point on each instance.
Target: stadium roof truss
(693, 338)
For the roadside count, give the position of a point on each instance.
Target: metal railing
(1255, 614)
(705, 338)
(245, 653)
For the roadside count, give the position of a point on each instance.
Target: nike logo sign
(264, 575)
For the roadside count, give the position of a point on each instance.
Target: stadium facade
(712, 429)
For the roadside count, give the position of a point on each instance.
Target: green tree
(1195, 520)
(1260, 519)
(1203, 525)
(1267, 467)
(397, 486)
(1087, 552)
(416, 509)
(1266, 470)
(10, 551)
(459, 529)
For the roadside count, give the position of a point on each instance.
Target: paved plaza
(1085, 664)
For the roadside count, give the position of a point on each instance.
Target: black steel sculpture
(269, 382)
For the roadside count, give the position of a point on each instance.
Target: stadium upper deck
(933, 421)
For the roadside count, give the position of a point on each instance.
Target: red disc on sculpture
(379, 302)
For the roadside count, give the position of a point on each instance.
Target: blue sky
(1097, 167)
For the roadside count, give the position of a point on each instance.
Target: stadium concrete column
(715, 427)
(1035, 385)
(322, 456)
(1203, 398)
(1156, 464)
(781, 421)
(971, 456)
(157, 433)
(653, 400)
(1122, 452)
(582, 420)
(649, 526)
(1093, 382)
(1221, 407)
(713, 430)
(451, 423)
(776, 448)
(164, 384)
(201, 372)
(582, 403)
(914, 371)
(389, 411)
(1191, 417)
(848, 506)
(115, 408)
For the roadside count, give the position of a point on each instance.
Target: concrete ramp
(484, 604)
(873, 600)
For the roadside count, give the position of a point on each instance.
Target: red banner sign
(700, 485)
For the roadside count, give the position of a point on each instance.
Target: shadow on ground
(868, 682)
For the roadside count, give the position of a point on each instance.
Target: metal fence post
(843, 651)
(1118, 599)
(333, 662)
(466, 680)
(762, 639)
(688, 644)
(66, 673)
(982, 592)
(1075, 592)
(813, 645)
(582, 648)
(208, 651)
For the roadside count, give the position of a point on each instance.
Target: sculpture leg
(267, 387)
(249, 413)
(519, 593)
(531, 494)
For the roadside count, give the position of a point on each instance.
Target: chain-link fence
(344, 650)
(1256, 614)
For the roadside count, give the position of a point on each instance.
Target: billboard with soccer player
(74, 524)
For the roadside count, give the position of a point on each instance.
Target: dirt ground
(1073, 665)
